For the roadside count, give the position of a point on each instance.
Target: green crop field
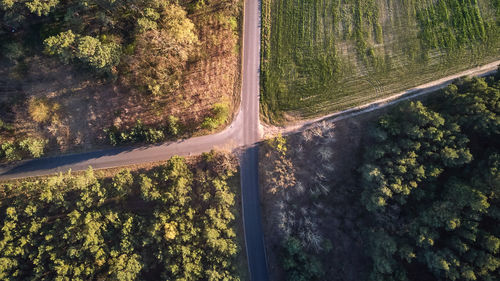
(320, 56)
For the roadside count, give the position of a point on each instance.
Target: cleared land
(323, 56)
(310, 193)
(80, 104)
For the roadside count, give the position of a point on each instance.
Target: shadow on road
(79, 161)
(53, 163)
(254, 238)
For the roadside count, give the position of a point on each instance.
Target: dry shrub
(283, 175)
(41, 110)
(325, 153)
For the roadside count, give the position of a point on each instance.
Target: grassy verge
(326, 55)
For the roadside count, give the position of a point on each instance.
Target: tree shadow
(50, 165)
(254, 236)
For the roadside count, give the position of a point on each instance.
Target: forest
(80, 74)
(174, 221)
(431, 184)
(410, 192)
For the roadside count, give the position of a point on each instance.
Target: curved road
(242, 133)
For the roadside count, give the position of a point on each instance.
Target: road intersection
(242, 135)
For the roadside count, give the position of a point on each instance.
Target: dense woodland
(431, 185)
(175, 221)
(154, 55)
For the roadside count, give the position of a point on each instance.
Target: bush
(209, 123)
(220, 114)
(13, 51)
(34, 146)
(113, 135)
(14, 151)
(5, 126)
(173, 125)
(11, 151)
(138, 133)
(153, 135)
(41, 110)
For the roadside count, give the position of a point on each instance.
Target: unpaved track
(241, 135)
(483, 70)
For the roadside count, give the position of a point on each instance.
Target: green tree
(122, 183)
(435, 210)
(414, 145)
(35, 146)
(148, 190)
(101, 57)
(69, 227)
(125, 267)
(298, 265)
(61, 45)
(40, 8)
(36, 7)
(473, 104)
(148, 21)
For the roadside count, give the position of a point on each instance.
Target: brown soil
(327, 155)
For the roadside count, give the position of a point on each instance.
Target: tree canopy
(173, 222)
(157, 37)
(165, 40)
(432, 183)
